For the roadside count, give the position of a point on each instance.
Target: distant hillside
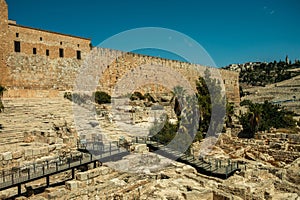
(262, 73)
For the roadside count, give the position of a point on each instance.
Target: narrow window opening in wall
(41, 39)
(78, 55)
(17, 34)
(60, 43)
(78, 45)
(17, 45)
(47, 52)
(34, 50)
(224, 82)
(61, 53)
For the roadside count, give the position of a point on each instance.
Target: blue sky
(230, 31)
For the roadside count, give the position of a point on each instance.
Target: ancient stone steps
(32, 115)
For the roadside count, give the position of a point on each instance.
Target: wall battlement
(33, 61)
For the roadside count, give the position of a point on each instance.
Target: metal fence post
(226, 171)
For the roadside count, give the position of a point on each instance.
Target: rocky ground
(44, 128)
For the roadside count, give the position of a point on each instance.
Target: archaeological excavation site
(85, 122)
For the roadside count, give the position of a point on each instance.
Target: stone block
(7, 156)
(93, 173)
(141, 148)
(81, 176)
(72, 185)
(104, 170)
(17, 154)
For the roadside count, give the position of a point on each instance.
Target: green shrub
(102, 97)
(76, 98)
(137, 96)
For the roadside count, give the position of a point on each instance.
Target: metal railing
(211, 166)
(38, 170)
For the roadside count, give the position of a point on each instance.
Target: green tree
(262, 117)
(179, 94)
(229, 114)
(210, 97)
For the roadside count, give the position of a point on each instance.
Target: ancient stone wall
(3, 36)
(134, 63)
(39, 66)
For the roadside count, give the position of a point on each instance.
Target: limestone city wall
(34, 73)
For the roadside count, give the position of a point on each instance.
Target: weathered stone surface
(82, 176)
(72, 185)
(141, 148)
(17, 154)
(28, 153)
(7, 156)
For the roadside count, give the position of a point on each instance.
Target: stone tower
(3, 40)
